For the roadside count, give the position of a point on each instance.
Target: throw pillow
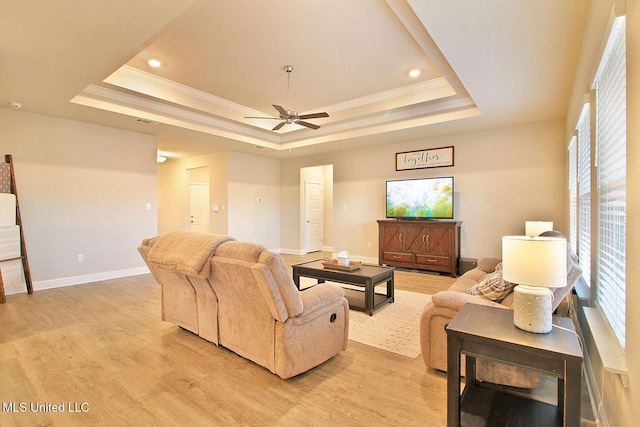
(492, 286)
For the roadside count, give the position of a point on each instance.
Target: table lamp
(535, 228)
(535, 264)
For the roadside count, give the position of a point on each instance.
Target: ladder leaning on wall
(8, 185)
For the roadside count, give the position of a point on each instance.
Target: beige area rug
(393, 327)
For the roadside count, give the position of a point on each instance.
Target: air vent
(146, 121)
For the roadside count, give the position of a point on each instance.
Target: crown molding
(380, 121)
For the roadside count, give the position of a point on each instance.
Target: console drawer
(440, 261)
(398, 256)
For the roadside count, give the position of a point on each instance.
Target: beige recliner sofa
(444, 305)
(241, 296)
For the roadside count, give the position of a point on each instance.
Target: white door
(199, 213)
(313, 208)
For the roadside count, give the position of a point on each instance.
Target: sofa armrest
(436, 315)
(455, 300)
(319, 296)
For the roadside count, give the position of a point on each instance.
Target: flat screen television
(423, 198)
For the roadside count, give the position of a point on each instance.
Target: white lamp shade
(539, 261)
(535, 228)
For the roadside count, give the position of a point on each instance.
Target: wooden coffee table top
(365, 270)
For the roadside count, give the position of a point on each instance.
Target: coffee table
(367, 277)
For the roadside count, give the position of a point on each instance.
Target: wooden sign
(423, 159)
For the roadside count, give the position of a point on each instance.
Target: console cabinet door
(393, 237)
(416, 238)
(439, 239)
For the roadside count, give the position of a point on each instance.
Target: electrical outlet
(368, 244)
(80, 258)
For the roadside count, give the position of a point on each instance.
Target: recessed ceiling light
(414, 73)
(155, 63)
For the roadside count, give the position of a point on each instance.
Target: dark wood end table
(367, 277)
(489, 332)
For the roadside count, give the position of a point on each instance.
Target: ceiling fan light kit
(289, 116)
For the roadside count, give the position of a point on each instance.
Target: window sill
(582, 290)
(613, 360)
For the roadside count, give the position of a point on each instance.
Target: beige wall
(83, 189)
(254, 199)
(236, 182)
(502, 178)
(173, 192)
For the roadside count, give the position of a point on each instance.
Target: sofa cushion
(508, 300)
(467, 280)
(244, 251)
(488, 264)
(492, 286)
(275, 273)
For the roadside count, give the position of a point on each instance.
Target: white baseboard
(299, 251)
(289, 251)
(78, 280)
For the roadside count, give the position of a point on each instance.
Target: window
(584, 193)
(610, 116)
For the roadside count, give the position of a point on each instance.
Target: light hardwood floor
(102, 347)
(102, 351)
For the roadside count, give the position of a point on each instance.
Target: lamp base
(532, 308)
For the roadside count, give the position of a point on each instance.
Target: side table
(489, 332)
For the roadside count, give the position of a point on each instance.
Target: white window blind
(610, 88)
(584, 192)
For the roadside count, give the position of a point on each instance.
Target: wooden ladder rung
(12, 259)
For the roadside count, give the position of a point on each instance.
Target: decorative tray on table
(334, 264)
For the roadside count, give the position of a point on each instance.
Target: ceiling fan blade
(313, 115)
(273, 118)
(307, 124)
(281, 110)
(279, 125)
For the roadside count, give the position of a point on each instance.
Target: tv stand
(420, 244)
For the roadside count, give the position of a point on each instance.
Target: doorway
(316, 208)
(199, 199)
(313, 215)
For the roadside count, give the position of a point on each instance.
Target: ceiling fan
(290, 116)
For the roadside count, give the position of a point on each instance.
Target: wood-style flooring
(99, 354)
